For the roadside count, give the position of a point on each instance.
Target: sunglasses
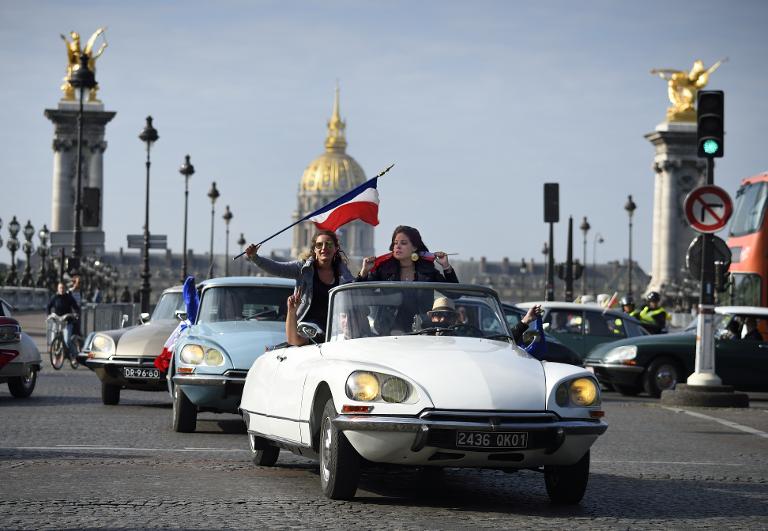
(444, 314)
(327, 245)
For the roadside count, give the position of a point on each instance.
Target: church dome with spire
(327, 177)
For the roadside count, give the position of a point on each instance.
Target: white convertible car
(397, 383)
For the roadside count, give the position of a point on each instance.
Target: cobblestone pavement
(67, 461)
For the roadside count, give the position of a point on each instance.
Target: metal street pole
(29, 231)
(584, 229)
(569, 263)
(187, 170)
(12, 278)
(241, 242)
(149, 136)
(213, 194)
(227, 218)
(630, 207)
(550, 293)
(598, 239)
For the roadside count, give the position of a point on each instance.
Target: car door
(287, 384)
(568, 327)
(742, 363)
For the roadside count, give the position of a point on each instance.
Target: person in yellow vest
(628, 306)
(653, 315)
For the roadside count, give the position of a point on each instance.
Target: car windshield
(399, 308)
(242, 303)
(167, 306)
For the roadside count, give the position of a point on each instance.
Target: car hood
(145, 341)
(242, 341)
(643, 342)
(455, 372)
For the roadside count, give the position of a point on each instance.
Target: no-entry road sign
(708, 208)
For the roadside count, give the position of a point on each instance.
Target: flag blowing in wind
(360, 203)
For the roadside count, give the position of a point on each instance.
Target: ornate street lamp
(241, 242)
(213, 194)
(630, 207)
(227, 218)
(29, 232)
(82, 79)
(13, 245)
(584, 229)
(149, 136)
(187, 170)
(597, 239)
(42, 250)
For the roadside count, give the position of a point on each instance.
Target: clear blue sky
(477, 103)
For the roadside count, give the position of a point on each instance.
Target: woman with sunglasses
(324, 269)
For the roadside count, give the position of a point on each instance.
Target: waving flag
(360, 203)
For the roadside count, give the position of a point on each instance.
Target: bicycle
(58, 349)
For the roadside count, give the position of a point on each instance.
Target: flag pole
(308, 215)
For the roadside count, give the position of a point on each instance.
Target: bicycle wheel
(57, 352)
(77, 347)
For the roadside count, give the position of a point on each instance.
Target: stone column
(64, 118)
(678, 171)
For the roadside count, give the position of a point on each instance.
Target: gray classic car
(124, 358)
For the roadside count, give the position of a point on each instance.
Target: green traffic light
(710, 146)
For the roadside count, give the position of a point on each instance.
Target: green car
(658, 362)
(581, 327)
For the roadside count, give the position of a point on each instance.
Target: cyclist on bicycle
(63, 303)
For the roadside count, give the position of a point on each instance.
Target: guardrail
(25, 299)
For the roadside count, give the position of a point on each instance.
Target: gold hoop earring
(414, 257)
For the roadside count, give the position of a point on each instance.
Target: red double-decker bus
(748, 240)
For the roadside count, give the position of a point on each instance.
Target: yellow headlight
(192, 354)
(102, 344)
(213, 357)
(362, 386)
(583, 392)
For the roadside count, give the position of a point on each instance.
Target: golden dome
(333, 171)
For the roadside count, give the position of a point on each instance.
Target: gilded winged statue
(683, 87)
(73, 59)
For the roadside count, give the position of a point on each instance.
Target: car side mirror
(531, 336)
(144, 318)
(309, 331)
(181, 315)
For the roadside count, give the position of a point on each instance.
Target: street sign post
(708, 208)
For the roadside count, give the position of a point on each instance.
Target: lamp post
(584, 229)
(213, 194)
(82, 79)
(187, 170)
(13, 245)
(545, 252)
(42, 250)
(149, 136)
(630, 207)
(227, 218)
(241, 242)
(597, 239)
(29, 232)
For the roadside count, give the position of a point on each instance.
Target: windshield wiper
(432, 330)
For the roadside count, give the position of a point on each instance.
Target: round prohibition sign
(708, 208)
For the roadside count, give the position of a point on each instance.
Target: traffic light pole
(569, 264)
(704, 373)
(550, 293)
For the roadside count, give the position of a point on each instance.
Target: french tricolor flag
(359, 203)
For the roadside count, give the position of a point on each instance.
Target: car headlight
(102, 346)
(624, 354)
(192, 354)
(362, 386)
(581, 392)
(213, 357)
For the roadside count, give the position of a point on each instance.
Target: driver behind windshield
(443, 313)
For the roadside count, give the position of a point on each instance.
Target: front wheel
(566, 484)
(339, 462)
(57, 351)
(184, 412)
(22, 386)
(662, 374)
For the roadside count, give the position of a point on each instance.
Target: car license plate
(484, 439)
(145, 374)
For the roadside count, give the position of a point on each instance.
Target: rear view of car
(20, 360)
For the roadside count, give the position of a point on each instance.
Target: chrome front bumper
(208, 379)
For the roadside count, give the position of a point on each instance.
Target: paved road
(67, 461)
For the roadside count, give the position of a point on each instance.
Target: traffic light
(551, 202)
(709, 119)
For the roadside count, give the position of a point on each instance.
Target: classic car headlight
(623, 354)
(362, 386)
(581, 392)
(102, 346)
(10, 333)
(394, 390)
(213, 357)
(192, 354)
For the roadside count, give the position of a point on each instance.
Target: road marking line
(694, 463)
(724, 422)
(120, 449)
